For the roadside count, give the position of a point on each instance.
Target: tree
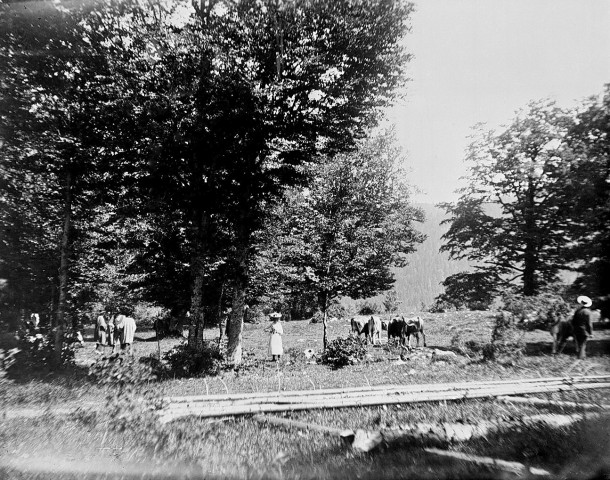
(513, 218)
(352, 225)
(589, 192)
(277, 84)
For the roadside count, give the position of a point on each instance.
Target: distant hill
(419, 282)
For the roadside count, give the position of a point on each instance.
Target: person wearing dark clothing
(582, 325)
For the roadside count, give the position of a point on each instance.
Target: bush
(120, 371)
(182, 361)
(465, 347)
(539, 311)
(35, 354)
(344, 351)
(507, 340)
(369, 308)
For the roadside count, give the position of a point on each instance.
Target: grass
(241, 448)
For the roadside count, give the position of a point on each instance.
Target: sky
(481, 61)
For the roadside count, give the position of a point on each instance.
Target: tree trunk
(325, 320)
(531, 241)
(64, 252)
(240, 284)
(195, 338)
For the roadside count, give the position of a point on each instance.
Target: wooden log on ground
(288, 398)
(422, 387)
(174, 412)
(514, 467)
(553, 403)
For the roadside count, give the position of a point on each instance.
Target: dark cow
(360, 325)
(395, 328)
(375, 329)
(413, 326)
(603, 305)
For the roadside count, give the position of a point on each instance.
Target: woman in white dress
(275, 341)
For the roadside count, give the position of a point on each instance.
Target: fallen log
(514, 467)
(553, 403)
(289, 423)
(365, 389)
(174, 412)
(442, 432)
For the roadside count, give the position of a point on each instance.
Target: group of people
(114, 331)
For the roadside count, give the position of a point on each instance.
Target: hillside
(419, 282)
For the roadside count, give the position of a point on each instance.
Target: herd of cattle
(398, 327)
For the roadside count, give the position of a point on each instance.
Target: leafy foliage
(34, 354)
(344, 351)
(539, 311)
(523, 173)
(469, 290)
(507, 340)
(184, 361)
(589, 191)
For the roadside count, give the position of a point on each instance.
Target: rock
(366, 441)
(444, 356)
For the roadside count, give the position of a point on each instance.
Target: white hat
(585, 301)
(275, 315)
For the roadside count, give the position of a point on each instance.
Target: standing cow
(375, 329)
(413, 326)
(395, 328)
(360, 325)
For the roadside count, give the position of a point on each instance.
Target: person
(119, 325)
(582, 325)
(100, 333)
(275, 341)
(129, 330)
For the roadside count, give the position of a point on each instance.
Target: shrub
(441, 306)
(507, 340)
(369, 308)
(183, 361)
(35, 354)
(344, 351)
(465, 347)
(120, 371)
(537, 311)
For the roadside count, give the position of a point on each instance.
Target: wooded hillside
(419, 282)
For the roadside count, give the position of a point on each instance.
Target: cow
(360, 325)
(413, 326)
(395, 328)
(375, 329)
(561, 331)
(603, 305)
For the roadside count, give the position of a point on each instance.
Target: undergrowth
(344, 351)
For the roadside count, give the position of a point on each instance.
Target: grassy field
(52, 446)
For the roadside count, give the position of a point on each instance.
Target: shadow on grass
(579, 451)
(70, 374)
(594, 348)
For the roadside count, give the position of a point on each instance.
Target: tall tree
(589, 191)
(277, 83)
(352, 225)
(512, 218)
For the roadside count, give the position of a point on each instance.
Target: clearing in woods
(91, 443)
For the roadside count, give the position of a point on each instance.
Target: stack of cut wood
(252, 403)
